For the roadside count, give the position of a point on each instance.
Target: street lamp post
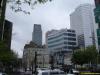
(35, 64)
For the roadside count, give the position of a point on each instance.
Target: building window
(69, 30)
(50, 42)
(71, 39)
(70, 43)
(69, 34)
(50, 38)
(54, 45)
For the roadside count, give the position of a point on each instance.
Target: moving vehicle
(50, 72)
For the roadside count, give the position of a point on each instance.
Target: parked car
(73, 72)
(2, 73)
(50, 72)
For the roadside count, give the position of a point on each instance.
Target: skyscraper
(82, 21)
(7, 33)
(2, 17)
(37, 34)
(97, 20)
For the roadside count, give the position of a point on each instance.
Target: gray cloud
(52, 15)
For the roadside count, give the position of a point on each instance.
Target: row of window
(71, 31)
(68, 47)
(66, 34)
(55, 41)
(66, 43)
(55, 37)
(72, 39)
(70, 43)
(65, 47)
(69, 34)
(55, 45)
(65, 38)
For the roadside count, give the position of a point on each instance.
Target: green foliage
(91, 54)
(7, 57)
(98, 59)
(77, 57)
(6, 54)
(83, 56)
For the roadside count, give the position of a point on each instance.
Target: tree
(91, 54)
(98, 59)
(7, 57)
(78, 57)
(84, 56)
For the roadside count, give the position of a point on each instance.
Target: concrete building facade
(29, 56)
(64, 39)
(62, 42)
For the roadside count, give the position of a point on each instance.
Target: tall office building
(37, 34)
(2, 17)
(97, 26)
(7, 35)
(82, 21)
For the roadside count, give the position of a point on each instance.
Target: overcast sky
(52, 15)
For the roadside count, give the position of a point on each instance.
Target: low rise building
(29, 56)
(61, 42)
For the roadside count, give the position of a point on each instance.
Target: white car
(70, 74)
(50, 72)
(3, 73)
